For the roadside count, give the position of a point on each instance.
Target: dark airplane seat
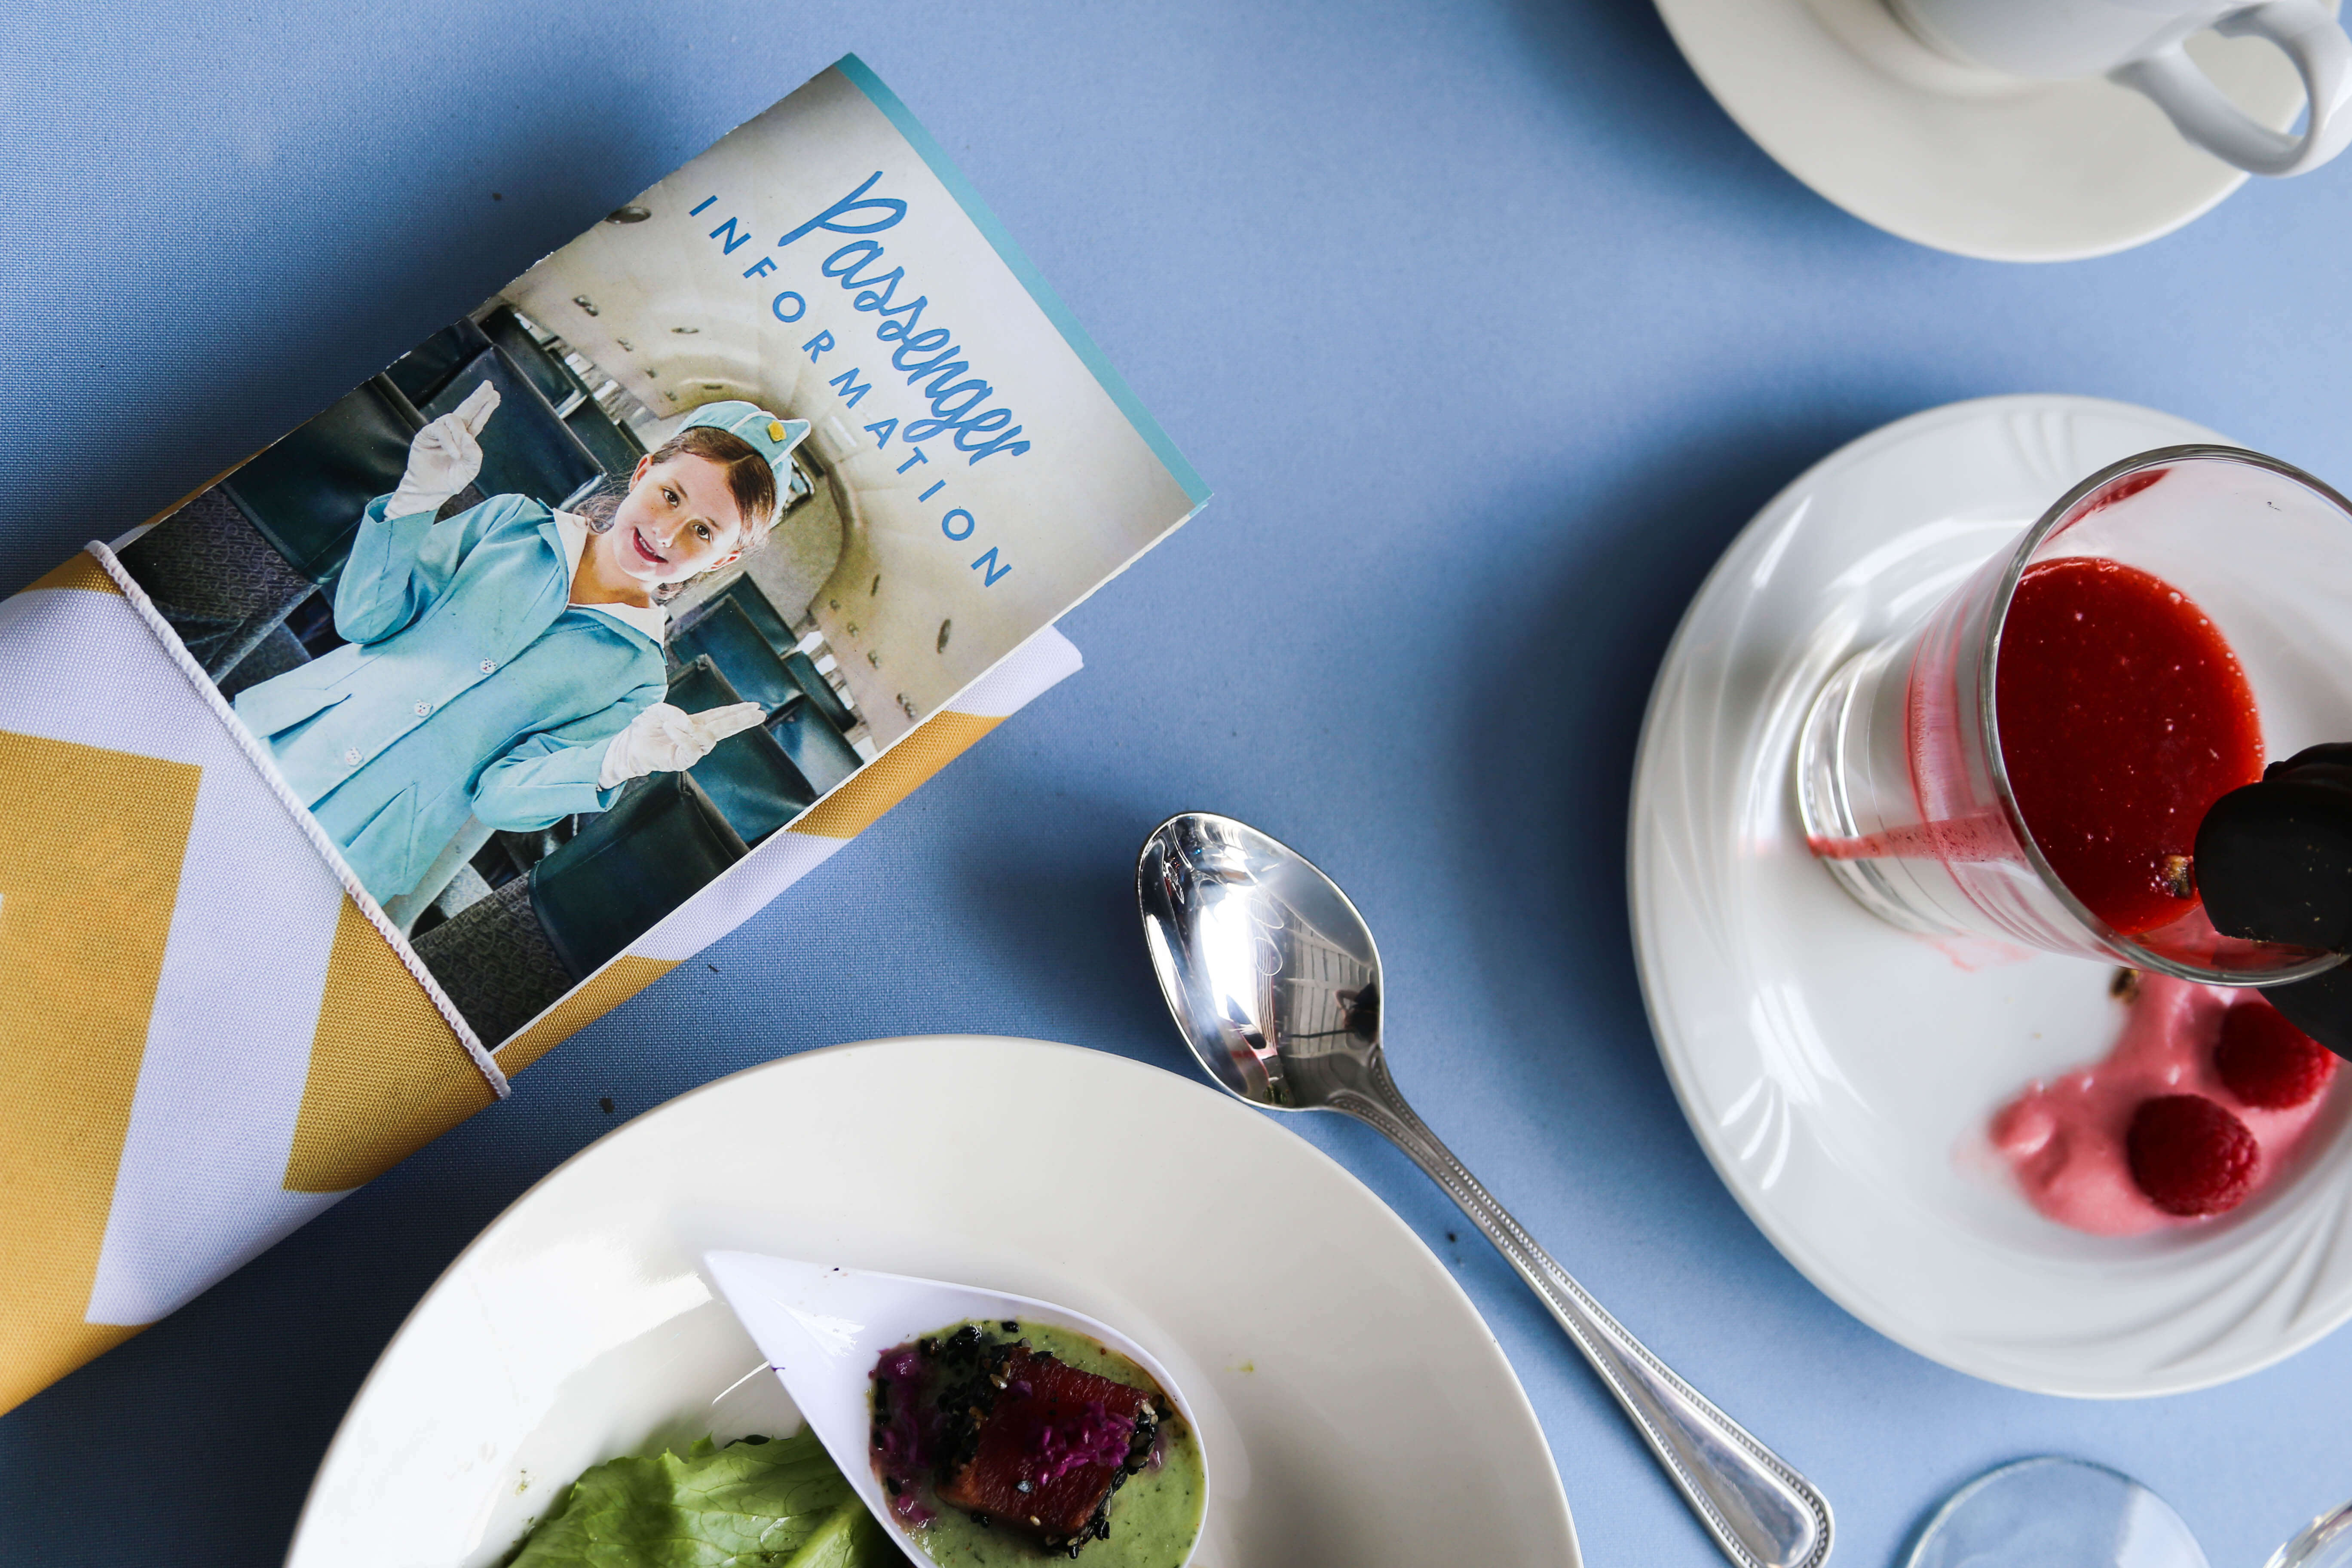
(662, 842)
(425, 370)
(306, 493)
(217, 579)
(465, 501)
(810, 679)
(549, 375)
(276, 654)
(815, 747)
(526, 449)
(698, 687)
(747, 596)
(747, 776)
(614, 446)
(494, 960)
(724, 633)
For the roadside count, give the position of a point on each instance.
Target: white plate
(1839, 1072)
(1335, 1365)
(1966, 159)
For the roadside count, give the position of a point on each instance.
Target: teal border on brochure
(994, 232)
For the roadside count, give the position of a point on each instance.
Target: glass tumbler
(1900, 780)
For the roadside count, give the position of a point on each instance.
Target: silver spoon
(1272, 978)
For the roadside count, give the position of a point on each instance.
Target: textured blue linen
(1488, 328)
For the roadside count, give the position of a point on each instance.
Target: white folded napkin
(208, 1030)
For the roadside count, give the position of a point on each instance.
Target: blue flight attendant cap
(774, 438)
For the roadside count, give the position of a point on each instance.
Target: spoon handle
(1761, 1512)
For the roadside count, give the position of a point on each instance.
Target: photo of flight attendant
(507, 662)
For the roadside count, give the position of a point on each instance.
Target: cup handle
(2200, 111)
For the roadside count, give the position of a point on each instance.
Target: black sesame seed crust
(972, 1373)
(1138, 1454)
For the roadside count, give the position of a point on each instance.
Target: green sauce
(1154, 1517)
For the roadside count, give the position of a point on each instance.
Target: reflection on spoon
(1272, 978)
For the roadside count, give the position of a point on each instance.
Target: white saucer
(1962, 158)
(1840, 1073)
(1332, 1362)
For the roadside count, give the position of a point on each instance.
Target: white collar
(649, 620)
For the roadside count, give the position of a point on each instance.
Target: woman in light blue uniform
(507, 663)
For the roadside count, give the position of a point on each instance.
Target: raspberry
(2190, 1156)
(2267, 1061)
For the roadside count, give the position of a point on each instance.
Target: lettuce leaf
(779, 1504)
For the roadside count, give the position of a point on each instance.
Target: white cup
(2137, 43)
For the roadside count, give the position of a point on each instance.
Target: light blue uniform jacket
(468, 684)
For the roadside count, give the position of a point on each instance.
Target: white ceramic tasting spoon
(823, 1328)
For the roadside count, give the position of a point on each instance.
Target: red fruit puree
(2068, 1140)
(2123, 716)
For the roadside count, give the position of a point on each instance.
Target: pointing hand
(444, 456)
(664, 739)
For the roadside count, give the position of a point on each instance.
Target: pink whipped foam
(2064, 1139)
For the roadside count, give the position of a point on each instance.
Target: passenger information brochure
(528, 668)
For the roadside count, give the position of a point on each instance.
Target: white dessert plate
(1331, 1360)
(1839, 1072)
(1963, 159)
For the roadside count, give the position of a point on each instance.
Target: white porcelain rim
(1385, 1235)
(1677, 983)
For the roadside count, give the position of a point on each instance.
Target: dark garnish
(1009, 1435)
(1046, 1447)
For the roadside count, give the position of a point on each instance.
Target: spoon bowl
(1273, 979)
(1271, 973)
(823, 1328)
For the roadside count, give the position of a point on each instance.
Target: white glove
(669, 739)
(444, 457)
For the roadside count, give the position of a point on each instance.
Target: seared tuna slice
(1043, 1456)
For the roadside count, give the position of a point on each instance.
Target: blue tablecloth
(1488, 328)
